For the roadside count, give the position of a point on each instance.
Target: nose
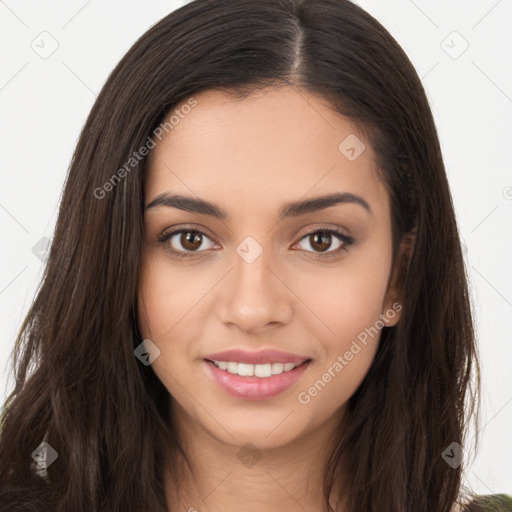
(254, 296)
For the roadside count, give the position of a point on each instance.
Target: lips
(261, 357)
(255, 388)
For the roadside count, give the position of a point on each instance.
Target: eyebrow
(293, 209)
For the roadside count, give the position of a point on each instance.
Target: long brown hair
(78, 385)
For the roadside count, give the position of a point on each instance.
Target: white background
(44, 103)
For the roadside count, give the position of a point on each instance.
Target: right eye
(184, 242)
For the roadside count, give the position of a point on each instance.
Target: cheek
(169, 309)
(347, 325)
(346, 348)
(346, 299)
(173, 307)
(166, 298)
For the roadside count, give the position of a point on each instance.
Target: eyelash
(345, 239)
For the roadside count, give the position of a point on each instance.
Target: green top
(491, 503)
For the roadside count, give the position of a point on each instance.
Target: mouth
(262, 371)
(256, 381)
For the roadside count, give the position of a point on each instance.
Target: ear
(393, 302)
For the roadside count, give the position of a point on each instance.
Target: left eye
(322, 241)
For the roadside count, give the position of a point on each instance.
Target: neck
(227, 476)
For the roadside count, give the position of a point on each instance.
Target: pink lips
(256, 388)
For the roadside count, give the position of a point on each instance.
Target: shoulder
(490, 503)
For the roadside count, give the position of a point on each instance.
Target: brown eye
(321, 241)
(190, 240)
(185, 242)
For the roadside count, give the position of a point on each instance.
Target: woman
(255, 292)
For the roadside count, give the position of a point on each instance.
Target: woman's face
(264, 277)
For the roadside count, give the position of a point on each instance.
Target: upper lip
(263, 356)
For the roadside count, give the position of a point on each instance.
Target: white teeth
(246, 370)
(257, 370)
(277, 368)
(263, 370)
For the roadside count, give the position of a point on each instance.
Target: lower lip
(256, 388)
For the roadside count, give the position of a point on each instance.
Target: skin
(250, 157)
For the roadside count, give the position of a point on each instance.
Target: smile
(255, 381)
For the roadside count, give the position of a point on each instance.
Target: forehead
(274, 145)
